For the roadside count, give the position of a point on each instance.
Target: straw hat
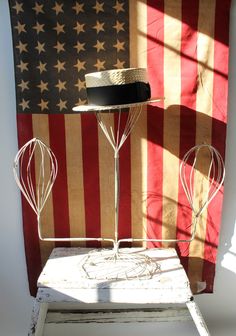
(116, 88)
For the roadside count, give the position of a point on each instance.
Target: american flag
(184, 46)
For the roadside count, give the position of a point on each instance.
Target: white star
(99, 7)
(119, 7)
(99, 65)
(79, 27)
(78, 7)
(24, 104)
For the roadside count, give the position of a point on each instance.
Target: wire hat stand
(105, 263)
(117, 263)
(117, 123)
(116, 130)
(117, 139)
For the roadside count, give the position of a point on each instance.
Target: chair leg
(198, 318)
(38, 317)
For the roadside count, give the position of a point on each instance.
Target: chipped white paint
(197, 318)
(39, 314)
(63, 280)
(118, 315)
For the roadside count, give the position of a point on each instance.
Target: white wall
(15, 302)
(219, 309)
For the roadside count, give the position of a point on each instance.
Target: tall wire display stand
(120, 264)
(116, 139)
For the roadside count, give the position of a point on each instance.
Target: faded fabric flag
(184, 46)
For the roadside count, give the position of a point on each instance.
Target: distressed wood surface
(63, 277)
(63, 281)
(38, 317)
(119, 315)
(120, 295)
(197, 318)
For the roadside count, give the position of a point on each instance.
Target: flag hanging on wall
(184, 46)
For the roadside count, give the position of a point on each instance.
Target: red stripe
(125, 229)
(59, 190)
(189, 74)
(31, 240)
(220, 95)
(155, 119)
(90, 153)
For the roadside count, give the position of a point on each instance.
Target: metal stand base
(110, 265)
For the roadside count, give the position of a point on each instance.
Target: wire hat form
(36, 191)
(214, 175)
(116, 140)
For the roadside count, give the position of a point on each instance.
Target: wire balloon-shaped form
(206, 156)
(214, 176)
(37, 156)
(35, 190)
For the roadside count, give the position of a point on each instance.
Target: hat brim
(96, 108)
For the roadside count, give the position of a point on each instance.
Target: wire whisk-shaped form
(214, 174)
(202, 174)
(211, 179)
(35, 190)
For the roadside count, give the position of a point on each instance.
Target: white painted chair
(151, 286)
